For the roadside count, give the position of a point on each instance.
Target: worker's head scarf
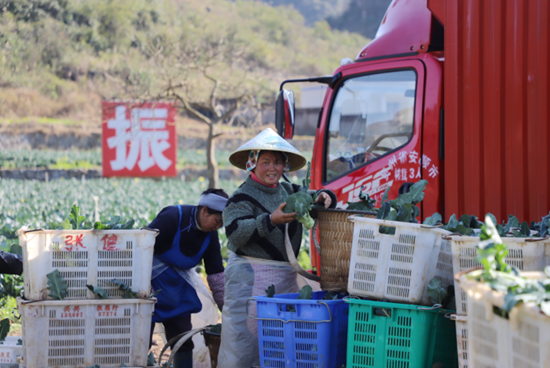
(213, 201)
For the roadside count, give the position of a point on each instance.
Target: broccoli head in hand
(300, 203)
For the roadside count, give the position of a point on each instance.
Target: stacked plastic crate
(301, 332)
(10, 351)
(81, 330)
(398, 325)
(518, 339)
(525, 254)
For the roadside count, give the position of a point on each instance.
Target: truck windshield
(372, 116)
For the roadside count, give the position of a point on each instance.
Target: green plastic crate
(394, 335)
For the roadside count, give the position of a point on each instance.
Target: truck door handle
(405, 187)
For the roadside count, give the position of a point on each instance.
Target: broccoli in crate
(302, 202)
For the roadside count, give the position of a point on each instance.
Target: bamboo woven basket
(213, 341)
(335, 241)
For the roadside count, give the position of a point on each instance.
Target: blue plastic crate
(302, 333)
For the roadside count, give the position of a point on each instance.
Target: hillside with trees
(314, 10)
(359, 16)
(59, 58)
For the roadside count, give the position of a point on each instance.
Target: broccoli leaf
(464, 226)
(386, 194)
(524, 229)
(128, 293)
(543, 226)
(492, 217)
(114, 224)
(489, 232)
(99, 226)
(433, 220)
(436, 292)
(16, 249)
(155, 293)
(331, 295)
(128, 225)
(500, 230)
(217, 329)
(57, 285)
(453, 222)
(504, 278)
(384, 211)
(115, 220)
(150, 360)
(306, 293)
(366, 203)
(66, 225)
(7, 232)
(392, 216)
(415, 193)
(270, 291)
(404, 213)
(464, 230)
(75, 219)
(403, 208)
(4, 328)
(465, 219)
(513, 223)
(99, 292)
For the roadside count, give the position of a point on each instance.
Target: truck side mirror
(284, 114)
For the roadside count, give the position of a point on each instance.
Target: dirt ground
(158, 345)
(201, 355)
(192, 128)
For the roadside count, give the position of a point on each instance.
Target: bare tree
(199, 74)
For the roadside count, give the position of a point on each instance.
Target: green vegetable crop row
(36, 204)
(91, 159)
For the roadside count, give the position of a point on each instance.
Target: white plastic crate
(82, 333)
(397, 267)
(461, 340)
(22, 365)
(520, 341)
(10, 352)
(92, 257)
(525, 254)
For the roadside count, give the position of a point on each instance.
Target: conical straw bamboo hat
(267, 140)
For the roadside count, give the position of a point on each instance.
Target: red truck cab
(381, 118)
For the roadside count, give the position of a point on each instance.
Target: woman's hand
(279, 217)
(324, 199)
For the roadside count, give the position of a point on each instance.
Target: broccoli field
(36, 204)
(39, 204)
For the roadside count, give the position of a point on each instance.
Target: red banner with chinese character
(139, 138)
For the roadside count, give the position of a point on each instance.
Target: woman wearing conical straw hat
(255, 228)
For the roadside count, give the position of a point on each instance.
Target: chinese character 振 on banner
(139, 139)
